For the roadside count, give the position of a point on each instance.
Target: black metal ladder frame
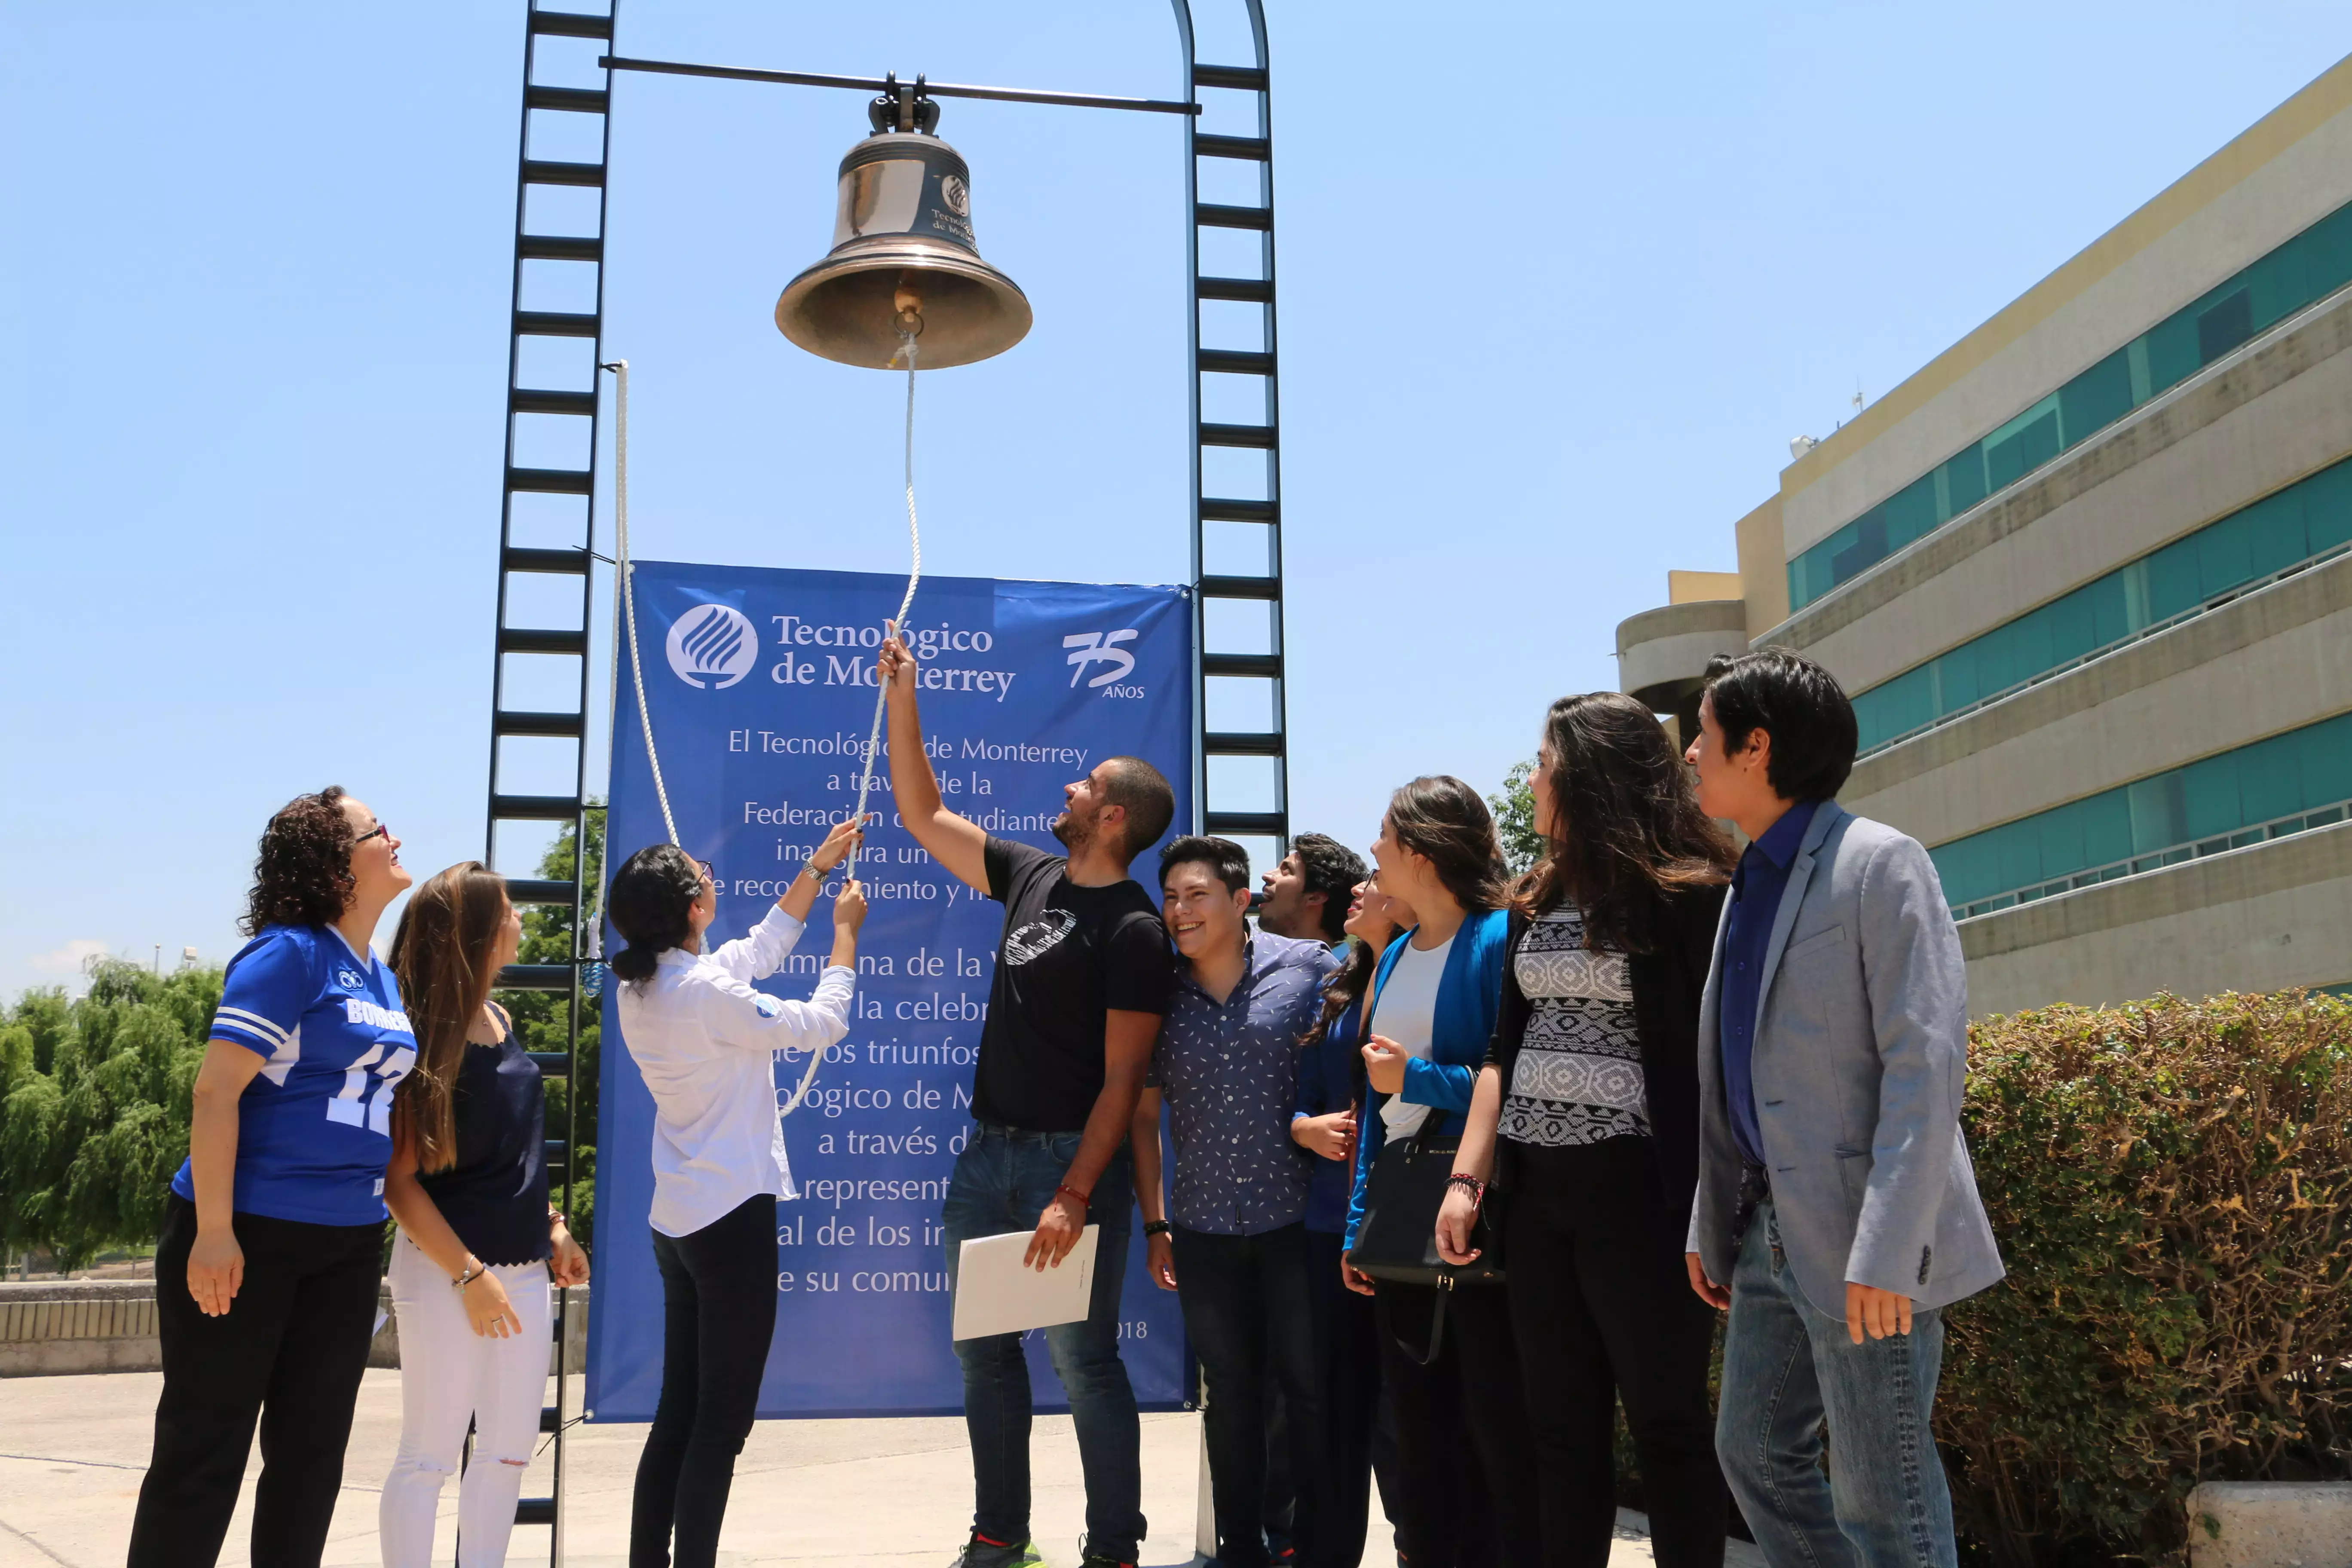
(1266, 667)
(571, 404)
(580, 404)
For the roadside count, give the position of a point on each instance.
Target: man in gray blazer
(1836, 1213)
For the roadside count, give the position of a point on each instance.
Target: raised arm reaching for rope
(955, 842)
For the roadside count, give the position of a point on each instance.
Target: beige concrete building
(2088, 578)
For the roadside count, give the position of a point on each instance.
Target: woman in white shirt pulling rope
(705, 1040)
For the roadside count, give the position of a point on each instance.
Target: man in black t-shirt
(1082, 977)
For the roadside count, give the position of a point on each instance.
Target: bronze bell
(903, 258)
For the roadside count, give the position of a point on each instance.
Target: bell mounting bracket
(904, 106)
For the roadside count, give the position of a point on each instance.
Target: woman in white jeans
(478, 1239)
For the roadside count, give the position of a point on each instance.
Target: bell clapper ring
(908, 306)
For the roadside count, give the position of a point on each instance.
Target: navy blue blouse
(494, 1196)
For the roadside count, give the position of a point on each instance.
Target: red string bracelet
(1085, 1200)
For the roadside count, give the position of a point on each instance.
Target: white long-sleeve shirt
(705, 1042)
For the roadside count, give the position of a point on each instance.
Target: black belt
(1755, 1186)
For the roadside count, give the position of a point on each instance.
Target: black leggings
(718, 1312)
(1469, 1467)
(290, 1351)
(1602, 1309)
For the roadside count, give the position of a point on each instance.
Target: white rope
(622, 568)
(627, 573)
(882, 693)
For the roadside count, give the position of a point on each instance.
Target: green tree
(1515, 818)
(94, 1097)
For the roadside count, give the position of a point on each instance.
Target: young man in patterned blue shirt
(1232, 1242)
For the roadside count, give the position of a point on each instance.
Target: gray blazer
(1861, 1054)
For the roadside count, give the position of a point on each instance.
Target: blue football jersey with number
(314, 1127)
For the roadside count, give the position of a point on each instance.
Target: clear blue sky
(1558, 282)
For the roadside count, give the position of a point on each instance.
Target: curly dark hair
(650, 896)
(1332, 870)
(1627, 830)
(303, 876)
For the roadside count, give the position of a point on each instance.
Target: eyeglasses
(710, 871)
(370, 833)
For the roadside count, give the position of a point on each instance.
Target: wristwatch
(1156, 1227)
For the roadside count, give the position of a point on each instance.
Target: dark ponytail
(648, 902)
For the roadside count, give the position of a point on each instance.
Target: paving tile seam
(35, 1543)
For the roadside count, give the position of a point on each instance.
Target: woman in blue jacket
(1434, 998)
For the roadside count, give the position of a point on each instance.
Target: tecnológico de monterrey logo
(713, 644)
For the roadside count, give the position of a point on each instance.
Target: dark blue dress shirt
(1326, 1082)
(1756, 889)
(1230, 1073)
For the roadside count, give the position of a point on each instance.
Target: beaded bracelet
(1464, 1179)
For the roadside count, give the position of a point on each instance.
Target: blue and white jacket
(1469, 994)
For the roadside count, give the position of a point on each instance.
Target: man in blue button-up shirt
(1756, 889)
(1236, 1254)
(1836, 1213)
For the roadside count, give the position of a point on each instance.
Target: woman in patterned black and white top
(1586, 1119)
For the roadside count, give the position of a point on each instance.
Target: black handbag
(1398, 1239)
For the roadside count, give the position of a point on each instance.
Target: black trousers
(1469, 1468)
(289, 1352)
(1247, 1312)
(1602, 1309)
(1359, 1435)
(718, 1314)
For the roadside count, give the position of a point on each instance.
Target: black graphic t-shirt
(1069, 955)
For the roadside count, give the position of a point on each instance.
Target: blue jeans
(1785, 1365)
(1002, 1180)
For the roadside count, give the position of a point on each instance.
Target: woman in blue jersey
(266, 1270)
(477, 1237)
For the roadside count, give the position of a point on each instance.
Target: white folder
(996, 1293)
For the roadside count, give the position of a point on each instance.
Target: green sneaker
(980, 1551)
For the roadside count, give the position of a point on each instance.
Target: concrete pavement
(73, 1450)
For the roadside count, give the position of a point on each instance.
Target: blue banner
(760, 685)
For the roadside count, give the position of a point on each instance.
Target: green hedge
(2169, 1184)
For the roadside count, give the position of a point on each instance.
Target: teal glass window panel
(2110, 610)
(2106, 829)
(2224, 557)
(1897, 706)
(2096, 398)
(2160, 813)
(2174, 580)
(2274, 527)
(1967, 868)
(2058, 840)
(2270, 780)
(1910, 512)
(2074, 628)
(1866, 546)
(2209, 791)
(2327, 507)
(2017, 848)
(1959, 680)
(2010, 457)
(2172, 356)
(2225, 324)
(2324, 759)
(1964, 480)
